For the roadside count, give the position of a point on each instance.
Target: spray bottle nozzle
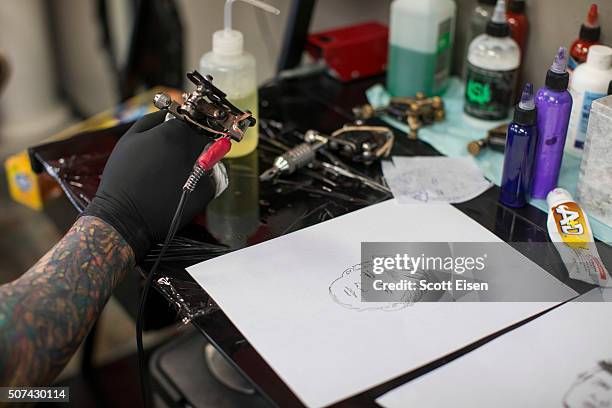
(256, 3)
(592, 17)
(557, 77)
(525, 112)
(499, 14)
(230, 42)
(527, 102)
(498, 26)
(559, 65)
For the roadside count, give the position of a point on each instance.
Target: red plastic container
(357, 51)
(589, 35)
(518, 22)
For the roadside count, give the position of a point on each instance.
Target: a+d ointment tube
(569, 229)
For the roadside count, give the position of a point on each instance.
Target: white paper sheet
(435, 179)
(553, 361)
(278, 295)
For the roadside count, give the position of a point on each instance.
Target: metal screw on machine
(312, 136)
(162, 101)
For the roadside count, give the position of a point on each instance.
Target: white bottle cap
(600, 56)
(557, 196)
(228, 42)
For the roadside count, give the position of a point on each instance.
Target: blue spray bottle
(520, 150)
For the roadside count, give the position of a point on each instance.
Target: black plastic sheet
(248, 212)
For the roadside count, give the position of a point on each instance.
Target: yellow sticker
(23, 183)
(571, 223)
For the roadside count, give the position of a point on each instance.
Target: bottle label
(443, 53)
(489, 94)
(570, 223)
(571, 64)
(585, 112)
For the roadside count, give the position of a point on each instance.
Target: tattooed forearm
(46, 313)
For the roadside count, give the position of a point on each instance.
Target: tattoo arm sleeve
(46, 313)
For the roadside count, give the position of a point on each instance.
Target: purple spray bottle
(553, 105)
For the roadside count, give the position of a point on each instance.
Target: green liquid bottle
(420, 48)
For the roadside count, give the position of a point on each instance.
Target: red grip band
(214, 153)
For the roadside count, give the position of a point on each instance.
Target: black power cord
(176, 219)
(211, 155)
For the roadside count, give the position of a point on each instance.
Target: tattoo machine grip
(210, 156)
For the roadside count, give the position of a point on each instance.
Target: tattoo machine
(416, 111)
(358, 143)
(495, 140)
(207, 109)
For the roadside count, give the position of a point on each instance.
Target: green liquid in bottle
(251, 136)
(411, 71)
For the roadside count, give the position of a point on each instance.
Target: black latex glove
(142, 181)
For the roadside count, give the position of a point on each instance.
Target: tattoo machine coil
(207, 109)
(416, 111)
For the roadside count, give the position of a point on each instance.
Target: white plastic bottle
(420, 46)
(493, 61)
(233, 71)
(588, 82)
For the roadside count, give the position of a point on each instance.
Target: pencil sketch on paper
(351, 288)
(592, 388)
(434, 179)
(347, 290)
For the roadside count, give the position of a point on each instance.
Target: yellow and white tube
(569, 228)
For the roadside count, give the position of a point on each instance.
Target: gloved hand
(142, 182)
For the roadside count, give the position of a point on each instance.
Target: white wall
(203, 17)
(86, 71)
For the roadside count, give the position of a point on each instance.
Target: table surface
(246, 217)
(250, 212)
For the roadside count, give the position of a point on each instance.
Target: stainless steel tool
(358, 143)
